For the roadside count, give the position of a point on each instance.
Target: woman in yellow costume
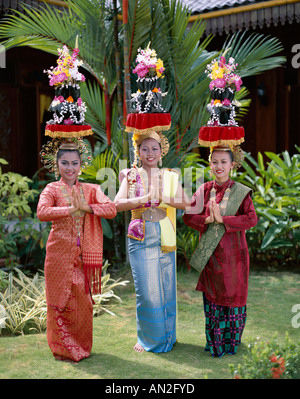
(152, 194)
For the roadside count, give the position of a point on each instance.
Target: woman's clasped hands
(77, 203)
(215, 215)
(155, 192)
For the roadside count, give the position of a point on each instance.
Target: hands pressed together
(155, 192)
(215, 215)
(77, 204)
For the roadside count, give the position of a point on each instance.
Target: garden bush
(270, 360)
(23, 306)
(21, 235)
(276, 197)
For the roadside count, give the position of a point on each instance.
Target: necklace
(132, 181)
(222, 205)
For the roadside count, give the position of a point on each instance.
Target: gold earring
(211, 174)
(231, 172)
(160, 162)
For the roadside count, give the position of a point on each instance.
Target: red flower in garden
(277, 371)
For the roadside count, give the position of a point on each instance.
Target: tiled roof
(199, 6)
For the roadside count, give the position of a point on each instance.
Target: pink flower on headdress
(222, 62)
(75, 53)
(226, 101)
(238, 82)
(68, 122)
(219, 82)
(61, 99)
(141, 70)
(79, 101)
(55, 79)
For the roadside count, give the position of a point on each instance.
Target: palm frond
(95, 114)
(255, 53)
(47, 29)
(139, 26)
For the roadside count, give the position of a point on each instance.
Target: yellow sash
(168, 224)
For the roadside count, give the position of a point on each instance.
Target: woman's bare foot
(138, 348)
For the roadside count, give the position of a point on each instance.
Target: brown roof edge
(212, 14)
(60, 3)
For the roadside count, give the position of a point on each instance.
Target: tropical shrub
(187, 241)
(15, 196)
(23, 303)
(107, 294)
(23, 306)
(269, 360)
(276, 197)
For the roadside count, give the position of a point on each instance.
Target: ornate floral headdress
(158, 136)
(68, 107)
(49, 152)
(66, 72)
(66, 128)
(238, 153)
(222, 73)
(148, 65)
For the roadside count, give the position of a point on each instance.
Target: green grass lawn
(270, 301)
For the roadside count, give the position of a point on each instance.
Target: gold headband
(68, 146)
(237, 152)
(221, 148)
(149, 135)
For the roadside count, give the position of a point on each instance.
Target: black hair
(61, 152)
(228, 151)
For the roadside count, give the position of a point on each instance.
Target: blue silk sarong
(154, 278)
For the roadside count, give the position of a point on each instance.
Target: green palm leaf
(254, 54)
(95, 114)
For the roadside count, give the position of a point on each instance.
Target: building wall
(24, 98)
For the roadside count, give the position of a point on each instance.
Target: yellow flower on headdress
(217, 72)
(159, 68)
